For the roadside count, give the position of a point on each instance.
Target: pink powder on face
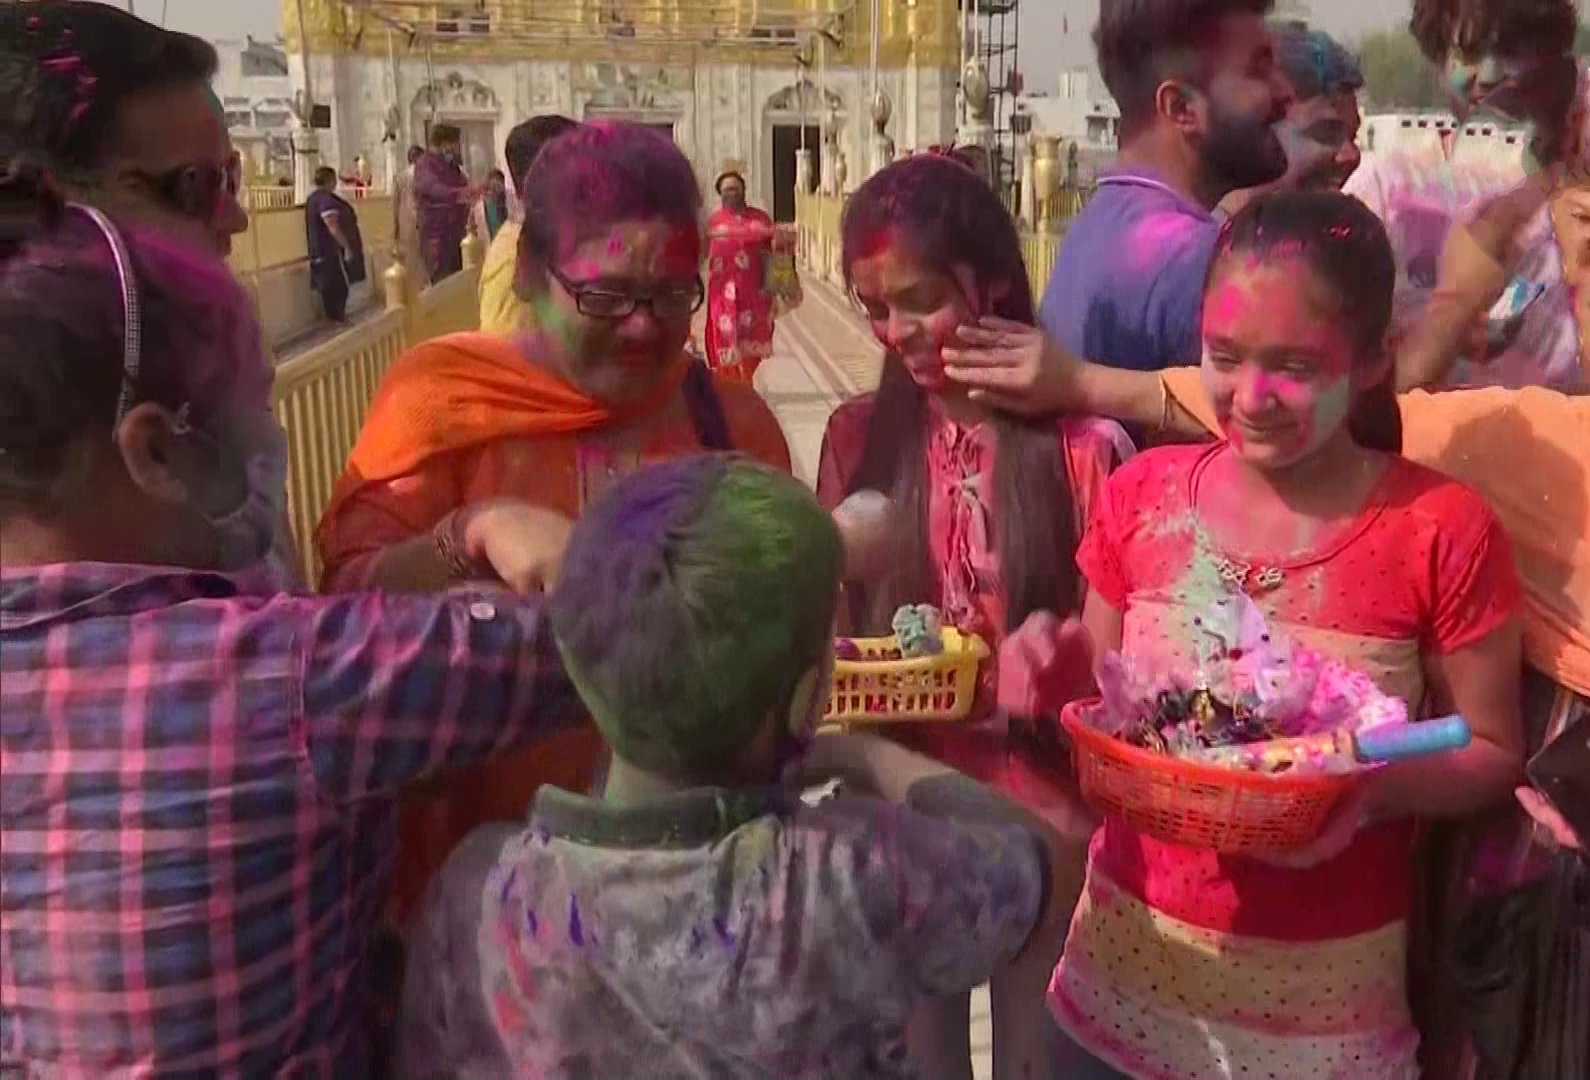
(1276, 366)
(883, 281)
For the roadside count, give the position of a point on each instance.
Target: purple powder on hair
(532, 923)
(507, 886)
(722, 928)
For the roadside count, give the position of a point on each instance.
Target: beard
(1241, 152)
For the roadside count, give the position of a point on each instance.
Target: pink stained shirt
(966, 581)
(1181, 959)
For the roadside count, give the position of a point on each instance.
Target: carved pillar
(882, 145)
(306, 159)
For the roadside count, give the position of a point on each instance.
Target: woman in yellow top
(502, 310)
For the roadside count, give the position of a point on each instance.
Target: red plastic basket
(1205, 806)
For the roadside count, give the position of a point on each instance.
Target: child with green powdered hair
(700, 919)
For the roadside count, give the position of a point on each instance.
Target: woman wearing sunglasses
(477, 424)
(121, 111)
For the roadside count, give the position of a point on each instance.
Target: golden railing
(323, 395)
(258, 197)
(276, 237)
(817, 221)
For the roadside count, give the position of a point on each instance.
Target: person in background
(610, 259)
(197, 824)
(501, 310)
(336, 250)
(1321, 128)
(122, 113)
(739, 305)
(698, 919)
(493, 209)
(406, 216)
(1513, 57)
(1200, 94)
(442, 198)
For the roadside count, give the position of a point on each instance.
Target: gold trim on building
(761, 33)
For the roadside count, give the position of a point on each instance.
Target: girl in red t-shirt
(1183, 962)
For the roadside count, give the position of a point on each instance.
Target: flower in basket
(919, 629)
(1250, 685)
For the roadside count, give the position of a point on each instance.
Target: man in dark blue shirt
(336, 250)
(1199, 93)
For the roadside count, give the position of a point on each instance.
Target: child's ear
(809, 700)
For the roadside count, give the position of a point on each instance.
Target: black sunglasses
(195, 191)
(668, 302)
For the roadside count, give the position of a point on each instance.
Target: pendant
(1247, 577)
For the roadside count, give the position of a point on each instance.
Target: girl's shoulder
(1096, 439)
(848, 422)
(1161, 467)
(1419, 495)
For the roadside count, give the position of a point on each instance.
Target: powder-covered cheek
(940, 327)
(1331, 403)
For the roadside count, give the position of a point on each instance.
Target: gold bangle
(1164, 403)
(451, 548)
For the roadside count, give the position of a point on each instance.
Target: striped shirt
(197, 810)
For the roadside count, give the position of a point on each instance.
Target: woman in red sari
(739, 303)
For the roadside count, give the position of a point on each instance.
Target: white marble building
(716, 112)
(255, 91)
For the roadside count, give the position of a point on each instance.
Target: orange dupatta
(460, 391)
(446, 395)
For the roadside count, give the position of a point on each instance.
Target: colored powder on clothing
(576, 928)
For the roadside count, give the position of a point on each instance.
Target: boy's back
(714, 933)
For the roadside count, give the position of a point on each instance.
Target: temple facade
(744, 81)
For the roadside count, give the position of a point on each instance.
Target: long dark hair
(1345, 245)
(950, 220)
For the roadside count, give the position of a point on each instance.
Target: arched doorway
(468, 105)
(791, 116)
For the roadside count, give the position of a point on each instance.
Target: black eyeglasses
(667, 302)
(195, 191)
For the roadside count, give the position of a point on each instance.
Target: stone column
(306, 159)
(1028, 211)
(975, 129)
(803, 171)
(882, 146)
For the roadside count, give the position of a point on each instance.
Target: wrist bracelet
(451, 546)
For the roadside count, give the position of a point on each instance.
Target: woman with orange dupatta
(610, 261)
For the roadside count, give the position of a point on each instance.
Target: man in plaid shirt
(196, 818)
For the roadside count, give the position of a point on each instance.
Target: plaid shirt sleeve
(393, 688)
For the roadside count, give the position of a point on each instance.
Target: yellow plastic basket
(882, 687)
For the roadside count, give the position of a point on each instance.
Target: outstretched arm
(1020, 369)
